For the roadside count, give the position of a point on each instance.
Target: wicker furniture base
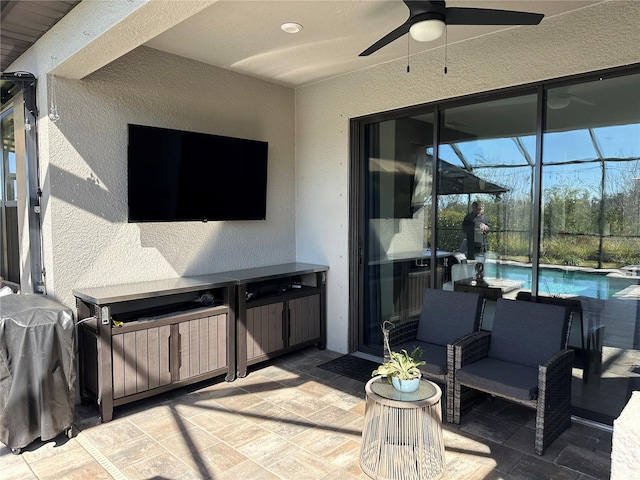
(402, 435)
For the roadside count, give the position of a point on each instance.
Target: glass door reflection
(590, 246)
(398, 201)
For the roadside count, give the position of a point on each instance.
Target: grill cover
(37, 369)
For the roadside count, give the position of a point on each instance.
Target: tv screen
(186, 176)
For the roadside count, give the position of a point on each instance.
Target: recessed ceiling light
(291, 27)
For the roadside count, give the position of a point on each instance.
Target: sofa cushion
(446, 316)
(434, 355)
(501, 378)
(527, 333)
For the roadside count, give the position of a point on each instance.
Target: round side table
(402, 435)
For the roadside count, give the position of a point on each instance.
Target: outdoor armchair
(524, 359)
(445, 318)
(590, 332)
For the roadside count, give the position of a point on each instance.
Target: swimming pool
(556, 281)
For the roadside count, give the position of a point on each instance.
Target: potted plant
(402, 370)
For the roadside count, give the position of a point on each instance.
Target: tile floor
(290, 420)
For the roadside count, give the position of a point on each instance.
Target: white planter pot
(405, 386)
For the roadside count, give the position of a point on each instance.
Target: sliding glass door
(590, 246)
(537, 190)
(396, 257)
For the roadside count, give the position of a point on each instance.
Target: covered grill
(37, 369)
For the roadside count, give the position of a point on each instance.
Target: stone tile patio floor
(289, 419)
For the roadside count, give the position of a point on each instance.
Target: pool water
(556, 281)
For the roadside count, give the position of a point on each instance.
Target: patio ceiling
(245, 36)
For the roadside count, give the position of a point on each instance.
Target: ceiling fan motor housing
(428, 16)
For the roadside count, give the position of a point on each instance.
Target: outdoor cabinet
(168, 350)
(141, 339)
(286, 318)
(273, 326)
(148, 341)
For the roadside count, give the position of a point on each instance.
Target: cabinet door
(140, 360)
(202, 345)
(264, 329)
(304, 319)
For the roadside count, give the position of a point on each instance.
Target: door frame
(25, 116)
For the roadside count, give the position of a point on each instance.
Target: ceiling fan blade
(388, 38)
(486, 16)
(580, 100)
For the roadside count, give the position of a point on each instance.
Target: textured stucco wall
(590, 39)
(91, 243)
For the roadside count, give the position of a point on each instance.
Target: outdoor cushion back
(447, 316)
(528, 333)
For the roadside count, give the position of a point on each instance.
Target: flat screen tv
(175, 175)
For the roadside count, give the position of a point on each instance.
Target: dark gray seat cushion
(446, 316)
(528, 333)
(501, 378)
(434, 355)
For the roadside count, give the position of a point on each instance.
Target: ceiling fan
(558, 101)
(428, 19)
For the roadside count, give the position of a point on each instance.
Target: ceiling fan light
(427, 30)
(557, 102)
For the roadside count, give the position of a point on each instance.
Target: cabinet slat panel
(214, 350)
(164, 370)
(185, 352)
(294, 315)
(294, 321)
(262, 314)
(277, 328)
(183, 332)
(217, 342)
(305, 319)
(130, 363)
(250, 320)
(117, 346)
(203, 344)
(269, 334)
(141, 360)
(273, 335)
(153, 361)
(194, 354)
(256, 334)
(264, 329)
(221, 341)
